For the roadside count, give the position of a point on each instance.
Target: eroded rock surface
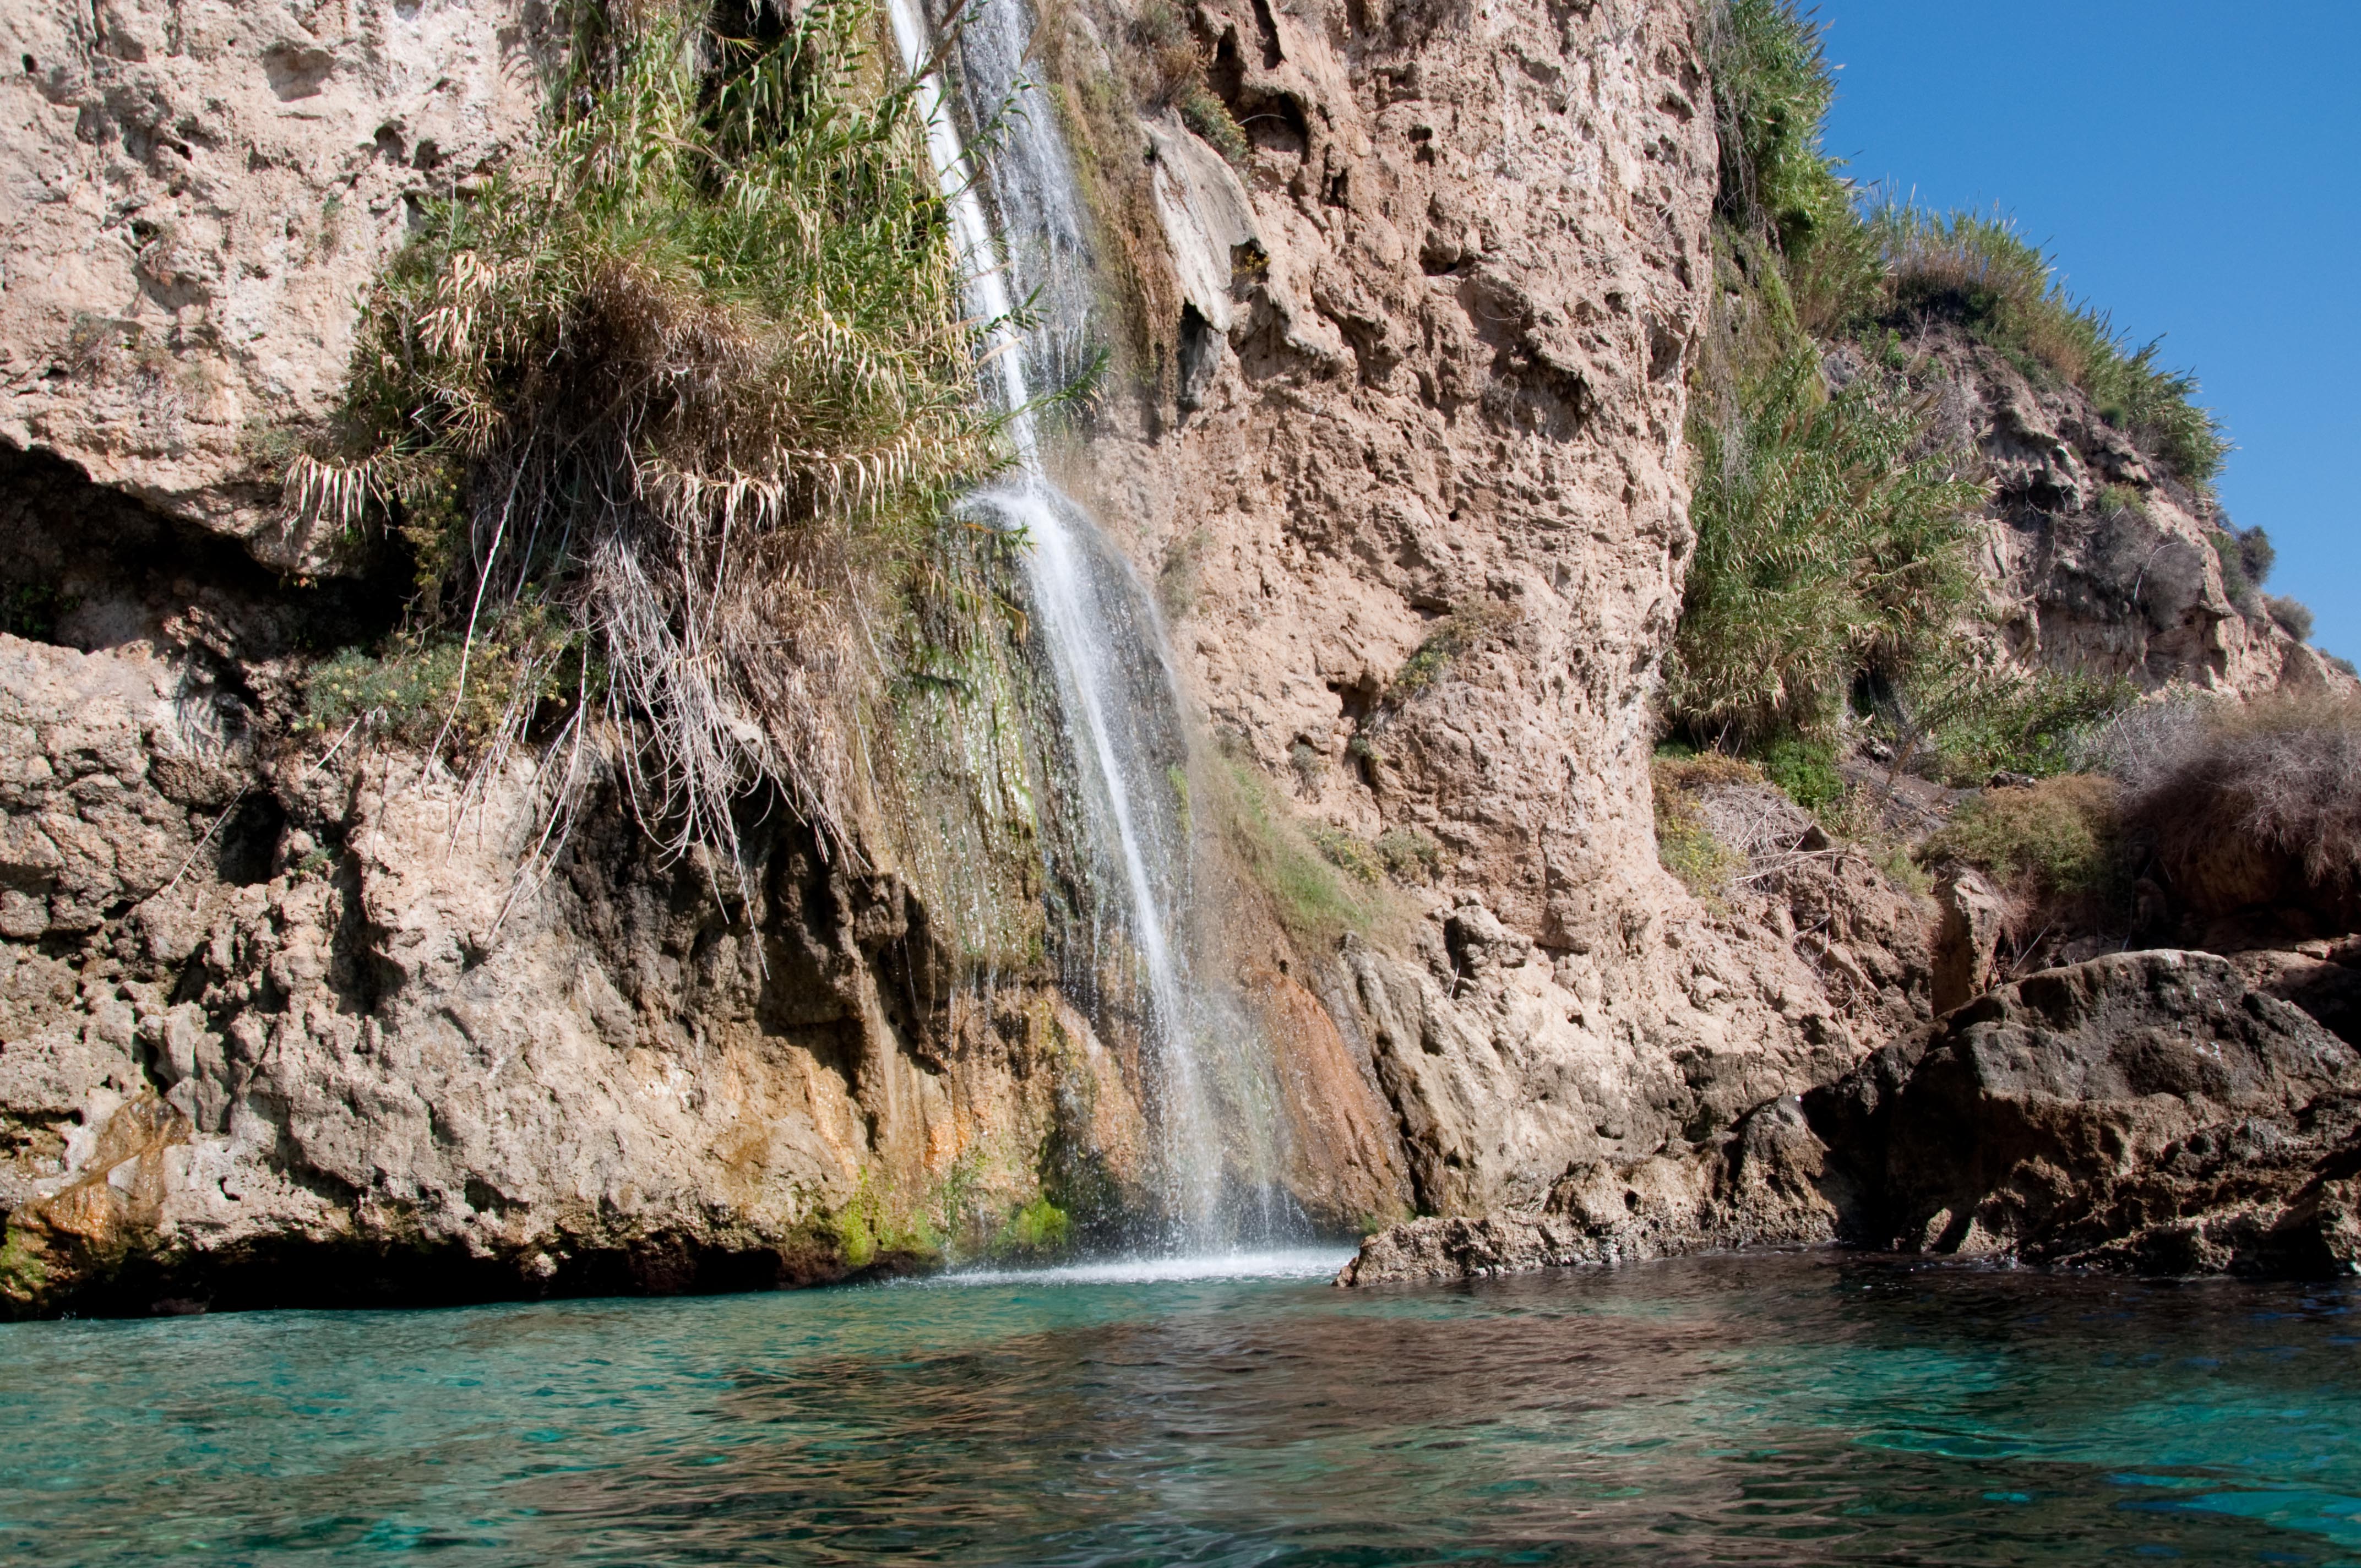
(287, 1033)
(2142, 1111)
(2145, 1112)
(200, 193)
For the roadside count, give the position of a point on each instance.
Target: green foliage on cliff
(2061, 839)
(1834, 527)
(1979, 272)
(701, 375)
(1830, 540)
(1852, 269)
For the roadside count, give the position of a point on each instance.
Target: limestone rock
(2100, 560)
(1759, 1186)
(1974, 914)
(2146, 1110)
(200, 193)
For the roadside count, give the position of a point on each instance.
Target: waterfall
(1210, 1096)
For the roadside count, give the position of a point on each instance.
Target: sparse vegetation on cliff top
(1832, 569)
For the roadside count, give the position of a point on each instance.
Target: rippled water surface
(1766, 1409)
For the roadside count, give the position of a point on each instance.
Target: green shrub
(2061, 839)
(1772, 88)
(441, 686)
(2237, 585)
(1973, 718)
(1828, 542)
(1685, 845)
(1804, 770)
(1352, 856)
(2257, 554)
(706, 376)
(1169, 66)
(1411, 854)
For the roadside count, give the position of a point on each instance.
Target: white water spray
(1101, 646)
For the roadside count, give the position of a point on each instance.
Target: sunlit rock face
(199, 194)
(1397, 451)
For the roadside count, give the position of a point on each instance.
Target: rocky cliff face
(1415, 489)
(199, 195)
(1397, 442)
(2102, 562)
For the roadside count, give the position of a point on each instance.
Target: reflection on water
(1769, 1409)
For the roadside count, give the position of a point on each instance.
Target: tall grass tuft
(1829, 541)
(1980, 271)
(697, 385)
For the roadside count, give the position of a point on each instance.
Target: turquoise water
(1811, 1409)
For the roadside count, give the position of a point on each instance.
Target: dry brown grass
(699, 385)
(2253, 803)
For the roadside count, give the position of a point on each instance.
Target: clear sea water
(1808, 1409)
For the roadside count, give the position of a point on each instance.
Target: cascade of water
(1210, 1105)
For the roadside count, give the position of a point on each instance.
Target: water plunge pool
(1778, 1409)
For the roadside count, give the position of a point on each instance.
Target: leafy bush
(1973, 718)
(706, 382)
(2257, 555)
(1829, 541)
(2238, 587)
(1688, 849)
(447, 688)
(2293, 616)
(1805, 770)
(1352, 855)
(2063, 839)
(1844, 271)
(1772, 88)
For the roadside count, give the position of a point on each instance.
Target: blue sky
(2192, 168)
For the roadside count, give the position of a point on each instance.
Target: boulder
(2145, 1111)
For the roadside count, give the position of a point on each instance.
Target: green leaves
(1829, 541)
(705, 371)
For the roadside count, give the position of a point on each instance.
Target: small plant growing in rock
(1171, 75)
(1459, 631)
(1411, 854)
(1038, 1232)
(1685, 845)
(1352, 855)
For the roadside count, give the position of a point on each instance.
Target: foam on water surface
(1282, 1263)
